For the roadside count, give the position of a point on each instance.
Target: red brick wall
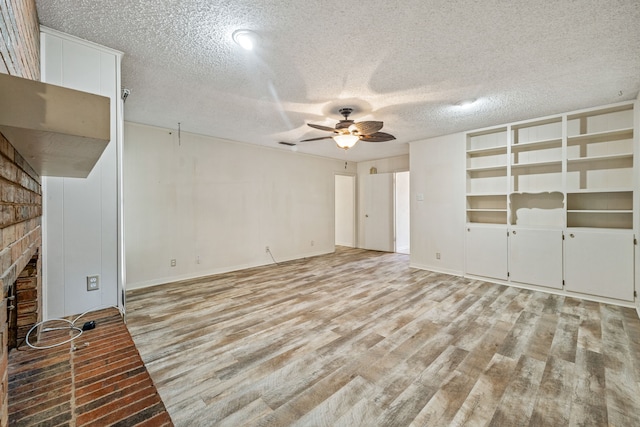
(20, 192)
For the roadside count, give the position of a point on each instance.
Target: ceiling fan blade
(327, 128)
(368, 128)
(378, 137)
(316, 139)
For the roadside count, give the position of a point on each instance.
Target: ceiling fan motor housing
(345, 112)
(344, 124)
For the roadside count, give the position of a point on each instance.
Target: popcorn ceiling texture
(405, 63)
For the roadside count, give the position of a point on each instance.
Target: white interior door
(378, 212)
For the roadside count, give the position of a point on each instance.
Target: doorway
(345, 210)
(385, 216)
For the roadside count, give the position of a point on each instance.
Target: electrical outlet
(437, 255)
(93, 283)
(173, 263)
(266, 249)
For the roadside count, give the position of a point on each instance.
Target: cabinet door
(486, 251)
(535, 257)
(599, 263)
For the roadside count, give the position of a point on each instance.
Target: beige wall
(437, 221)
(213, 205)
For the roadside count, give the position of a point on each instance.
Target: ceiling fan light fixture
(246, 39)
(346, 141)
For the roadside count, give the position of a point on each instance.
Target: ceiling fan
(347, 132)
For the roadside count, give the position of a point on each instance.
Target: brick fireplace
(24, 303)
(20, 190)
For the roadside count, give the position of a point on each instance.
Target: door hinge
(635, 241)
(562, 236)
(563, 283)
(635, 293)
(508, 274)
(507, 234)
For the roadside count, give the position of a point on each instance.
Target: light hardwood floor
(358, 338)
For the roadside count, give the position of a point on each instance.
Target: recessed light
(246, 39)
(466, 103)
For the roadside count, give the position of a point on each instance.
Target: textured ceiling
(406, 63)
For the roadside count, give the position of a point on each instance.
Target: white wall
(389, 165)
(213, 205)
(437, 221)
(345, 218)
(80, 216)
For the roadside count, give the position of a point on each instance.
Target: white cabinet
(576, 171)
(535, 256)
(486, 251)
(599, 263)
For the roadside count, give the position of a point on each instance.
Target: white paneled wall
(80, 221)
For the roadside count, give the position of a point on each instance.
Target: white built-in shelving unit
(553, 202)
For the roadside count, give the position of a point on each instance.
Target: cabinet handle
(514, 232)
(571, 235)
(468, 229)
(366, 216)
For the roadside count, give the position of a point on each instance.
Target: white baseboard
(212, 272)
(436, 269)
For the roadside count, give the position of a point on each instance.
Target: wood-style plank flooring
(357, 338)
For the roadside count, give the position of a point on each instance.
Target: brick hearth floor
(102, 383)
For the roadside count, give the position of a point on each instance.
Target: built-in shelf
(502, 168)
(486, 194)
(606, 136)
(621, 156)
(487, 179)
(537, 145)
(607, 211)
(487, 217)
(539, 191)
(606, 191)
(517, 166)
(502, 149)
(552, 179)
(598, 219)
